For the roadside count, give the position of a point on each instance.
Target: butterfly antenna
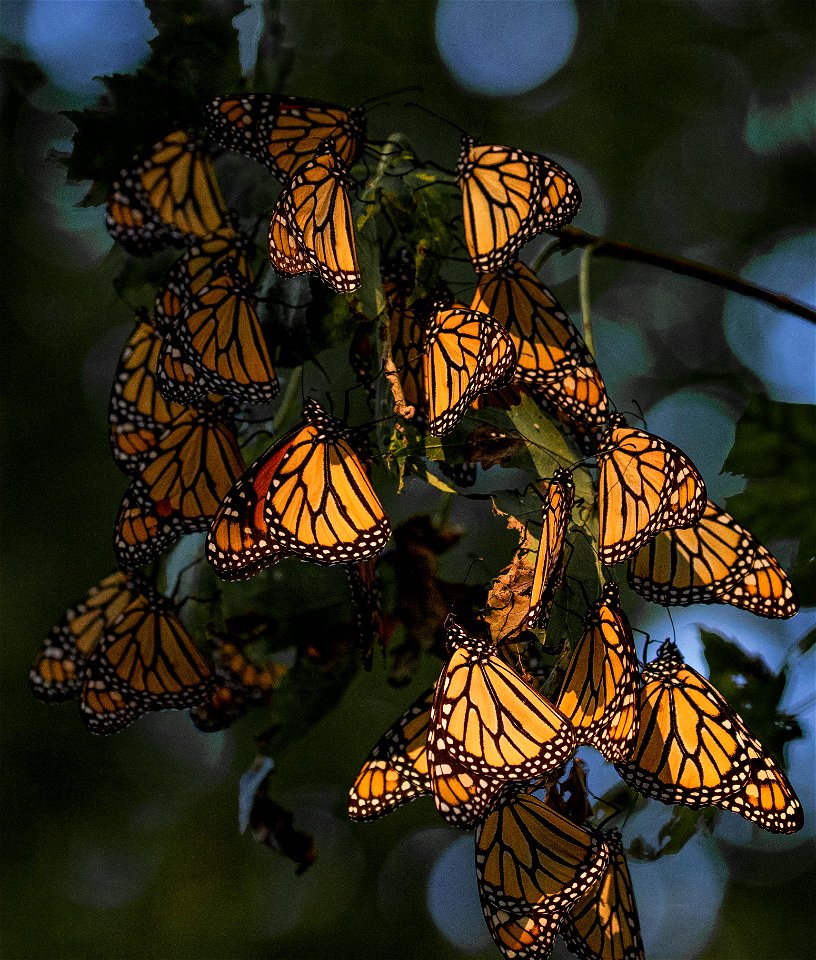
(674, 629)
(413, 105)
(381, 99)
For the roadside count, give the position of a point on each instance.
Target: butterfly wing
(604, 925)
(520, 936)
(767, 797)
(551, 357)
(284, 132)
(549, 562)
(60, 664)
(692, 565)
(396, 770)
(193, 467)
(177, 183)
(311, 224)
(533, 861)
(132, 223)
(220, 334)
(690, 745)
(322, 506)
(465, 353)
(510, 196)
(764, 589)
(599, 692)
(488, 719)
(646, 486)
(138, 413)
(143, 530)
(146, 660)
(307, 496)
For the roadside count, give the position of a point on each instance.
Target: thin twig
(573, 237)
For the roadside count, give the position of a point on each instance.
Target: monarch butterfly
(138, 412)
(531, 860)
(219, 710)
(145, 660)
(767, 798)
(604, 925)
(256, 681)
(465, 353)
(195, 268)
(58, 668)
(548, 571)
(646, 486)
(131, 222)
(219, 334)
(599, 692)
(241, 682)
(521, 936)
(284, 132)
(396, 770)
(551, 357)
(171, 196)
(487, 727)
(691, 747)
(308, 496)
(311, 230)
(510, 196)
(715, 561)
(181, 482)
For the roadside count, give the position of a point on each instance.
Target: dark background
(690, 128)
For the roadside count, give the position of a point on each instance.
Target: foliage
(775, 448)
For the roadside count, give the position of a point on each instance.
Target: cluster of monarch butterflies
(484, 740)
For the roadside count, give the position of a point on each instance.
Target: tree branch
(573, 237)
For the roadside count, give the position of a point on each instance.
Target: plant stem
(572, 237)
(583, 292)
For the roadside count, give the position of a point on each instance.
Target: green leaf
(683, 824)
(193, 59)
(752, 689)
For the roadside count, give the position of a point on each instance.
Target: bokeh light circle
(504, 49)
(777, 346)
(702, 427)
(453, 898)
(76, 40)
